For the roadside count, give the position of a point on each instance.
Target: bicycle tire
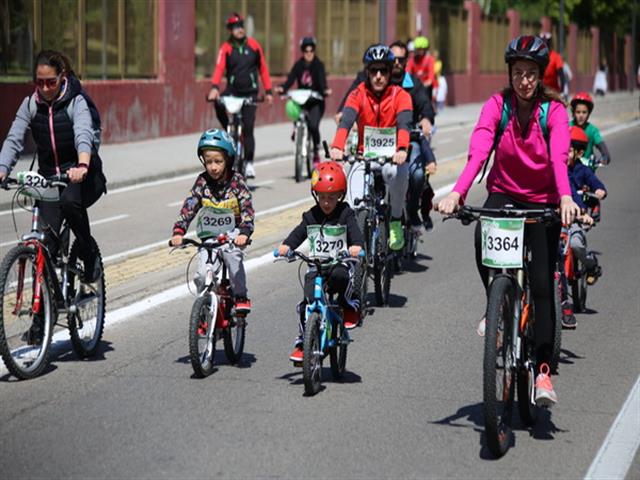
(579, 286)
(498, 405)
(23, 359)
(202, 334)
(233, 339)
(338, 353)
(557, 327)
(382, 265)
(299, 157)
(309, 158)
(361, 277)
(86, 341)
(312, 360)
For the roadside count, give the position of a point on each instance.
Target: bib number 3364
(502, 242)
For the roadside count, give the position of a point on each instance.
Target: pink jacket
(523, 167)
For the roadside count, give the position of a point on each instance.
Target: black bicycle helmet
(307, 42)
(527, 47)
(378, 54)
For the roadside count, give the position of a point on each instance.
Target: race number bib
(327, 241)
(502, 242)
(37, 187)
(379, 142)
(213, 221)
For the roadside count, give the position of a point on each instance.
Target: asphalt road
(410, 405)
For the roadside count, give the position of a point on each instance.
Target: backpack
(507, 112)
(96, 124)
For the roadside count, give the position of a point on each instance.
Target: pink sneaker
(545, 394)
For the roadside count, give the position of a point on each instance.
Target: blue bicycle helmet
(216, 139)
(378, 54)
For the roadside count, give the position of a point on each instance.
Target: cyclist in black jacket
(309, 73)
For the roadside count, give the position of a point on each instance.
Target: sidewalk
(136, 162)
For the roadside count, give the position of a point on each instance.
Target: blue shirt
(579, 176)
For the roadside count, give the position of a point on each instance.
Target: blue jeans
(421, 156)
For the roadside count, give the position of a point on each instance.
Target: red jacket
(393, 109)
(423, 67)
(242, 62)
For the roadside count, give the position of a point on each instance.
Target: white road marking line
(256, 184)
(621, 444)
(443, 141)
(279, 208)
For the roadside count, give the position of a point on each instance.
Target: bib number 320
(502, 242)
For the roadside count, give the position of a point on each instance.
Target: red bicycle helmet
(527, 47)
(328, 177)
(235, 19)
(579, 139)
(582, 97)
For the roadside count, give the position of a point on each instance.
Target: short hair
(400, 44)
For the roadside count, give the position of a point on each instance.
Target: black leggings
(314, 114)
(75, 198)
(543, 242)
(248, 120)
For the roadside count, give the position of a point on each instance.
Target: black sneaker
(428, 223)
(92, 270)
(35, 334)
(569, 321)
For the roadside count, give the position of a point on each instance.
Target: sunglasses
(49, 82)
(400, 60)
(381, 70)
(309, 50)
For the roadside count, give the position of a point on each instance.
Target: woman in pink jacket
(529, 171)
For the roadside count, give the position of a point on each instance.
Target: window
(16, 39)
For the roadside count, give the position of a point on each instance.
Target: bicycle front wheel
(300, 156)
(360, 280)
(338, 353)
(557, 328)
(202, 337)
(579, 286)
(313, 356)
(382, 265)
(233, 339)
(87, 303)
(499, 372)
(25, 326)
(309, 156)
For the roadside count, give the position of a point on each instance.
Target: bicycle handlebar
(208, 243)
(61, 180)
(467, 214)
(343, 257)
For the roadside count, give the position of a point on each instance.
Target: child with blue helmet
(226, 193)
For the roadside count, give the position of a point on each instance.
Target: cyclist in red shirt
(422, 64)
(554, 73)
(243, 60)
(376, 103)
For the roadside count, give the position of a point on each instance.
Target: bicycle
(373, 216)
(234, 105)
(37, 286)
(304, 142)
(509, 356)
(213, 314)
(324, 332)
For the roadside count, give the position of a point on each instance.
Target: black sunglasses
(309, 50)
(382, 70)
(400, 60)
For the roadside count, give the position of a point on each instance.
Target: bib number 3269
(213, 221)
(502, 242)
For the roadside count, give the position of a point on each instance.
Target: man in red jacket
(243, 59)
(384, 113)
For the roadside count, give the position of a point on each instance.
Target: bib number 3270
(502, 242)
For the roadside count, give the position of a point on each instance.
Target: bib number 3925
(379, 142)
(502, 242)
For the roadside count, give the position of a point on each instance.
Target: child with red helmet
(581, 107)
(581, 178)
(333, 214)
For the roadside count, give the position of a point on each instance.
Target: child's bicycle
(324, 332)
(303, 153)
(213, 313)
(509, 356)
(36, 286)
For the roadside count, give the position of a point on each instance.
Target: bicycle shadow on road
(69, 355)
(295, 377)
(567, 357)
(220, 360)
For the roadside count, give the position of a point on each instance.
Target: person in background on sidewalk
(554, 73)
(580, 177)
(243, 60)
(59, 118)
(568, 76)
(529, 171)
(581, 108)
(600, 82)
(309, 73)
(331, 213)
(224, 194)
(379, 105)
(422, 64)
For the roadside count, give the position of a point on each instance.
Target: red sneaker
(297, 355)
(351, 318)
(243, 305)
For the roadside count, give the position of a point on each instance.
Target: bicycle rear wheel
(338, 353)
(309, 159)
(233, 339)
(360, 281)
(202, 337)
(498, 370)
(25, 336)
(87, 305)
(579, 286)
(382, 265)
(299, 157)
(312, 360)
(557, 329)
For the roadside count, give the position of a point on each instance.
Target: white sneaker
(482, 326)
(249, 171)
